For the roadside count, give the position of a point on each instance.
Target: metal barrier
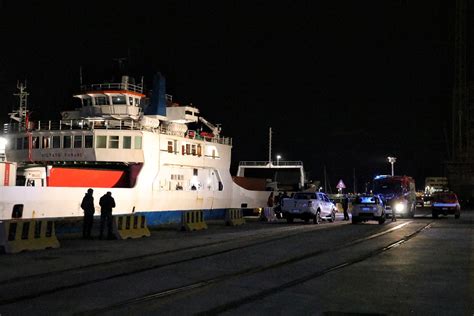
(27, 234)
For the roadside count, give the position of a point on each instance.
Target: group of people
(275, 202)
(107, 203)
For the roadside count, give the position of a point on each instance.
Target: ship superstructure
(118, 140)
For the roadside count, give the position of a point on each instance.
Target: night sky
(343, 84)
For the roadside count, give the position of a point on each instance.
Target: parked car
(445, 203)
(308, 205)
(368, 207)
(420, 201)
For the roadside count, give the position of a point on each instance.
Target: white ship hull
(154, 191)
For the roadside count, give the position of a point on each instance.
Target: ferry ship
(120, 140)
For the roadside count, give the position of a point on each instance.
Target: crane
(216, 129)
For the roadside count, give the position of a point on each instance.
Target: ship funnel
(158, 98)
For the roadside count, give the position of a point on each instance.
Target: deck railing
(62, 125)
(274, 163)
(112, 86)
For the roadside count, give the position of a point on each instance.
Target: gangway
(273, 165)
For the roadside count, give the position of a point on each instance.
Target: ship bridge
(118, 101)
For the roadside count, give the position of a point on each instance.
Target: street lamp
(392, 161)
(278, 160)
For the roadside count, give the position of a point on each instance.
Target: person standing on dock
(88, 206)
(345, 207)
(106, 203)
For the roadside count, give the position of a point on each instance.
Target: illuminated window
(119, 99)
(199, 150)
(127, 142)
(77, 141)
(46, 142)
(130, 101)
(138, 142)
(35, 142)
(88, 141)
(101, 142)
(113, 142)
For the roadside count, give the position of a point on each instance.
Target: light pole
(392, 161)
(278, 160)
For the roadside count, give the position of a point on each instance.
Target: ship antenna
(20, 114)
(270, 146)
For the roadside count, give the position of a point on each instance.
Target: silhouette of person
(270, 200)
(87, 205)
(106, 203)
(345, 207)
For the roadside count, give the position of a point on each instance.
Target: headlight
(399, 207)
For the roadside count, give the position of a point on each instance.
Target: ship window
(46, 141)
(170, 146)
(101, 142)
(25, 143)
(118, 99)
(113, 142)
(88, 141)
(138, 142)
(101, 101)
(130, 100)
(193, 150)
(195, 172)
(188, 113)
(19, 143)
(199, 150)
(127, 142)
(87, 101)
(137, 101)
(56, 141)
(77, 141)
(67, 141)
(35, 142)
(188, 149)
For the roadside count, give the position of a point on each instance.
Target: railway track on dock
(170, 292)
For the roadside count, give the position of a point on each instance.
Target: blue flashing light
(381, 176)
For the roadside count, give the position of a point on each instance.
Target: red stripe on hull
(75, 177)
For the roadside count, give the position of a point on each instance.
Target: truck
(398, 193)
(435, 184)
(307, 206)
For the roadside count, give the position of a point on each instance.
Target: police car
(368, 207)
